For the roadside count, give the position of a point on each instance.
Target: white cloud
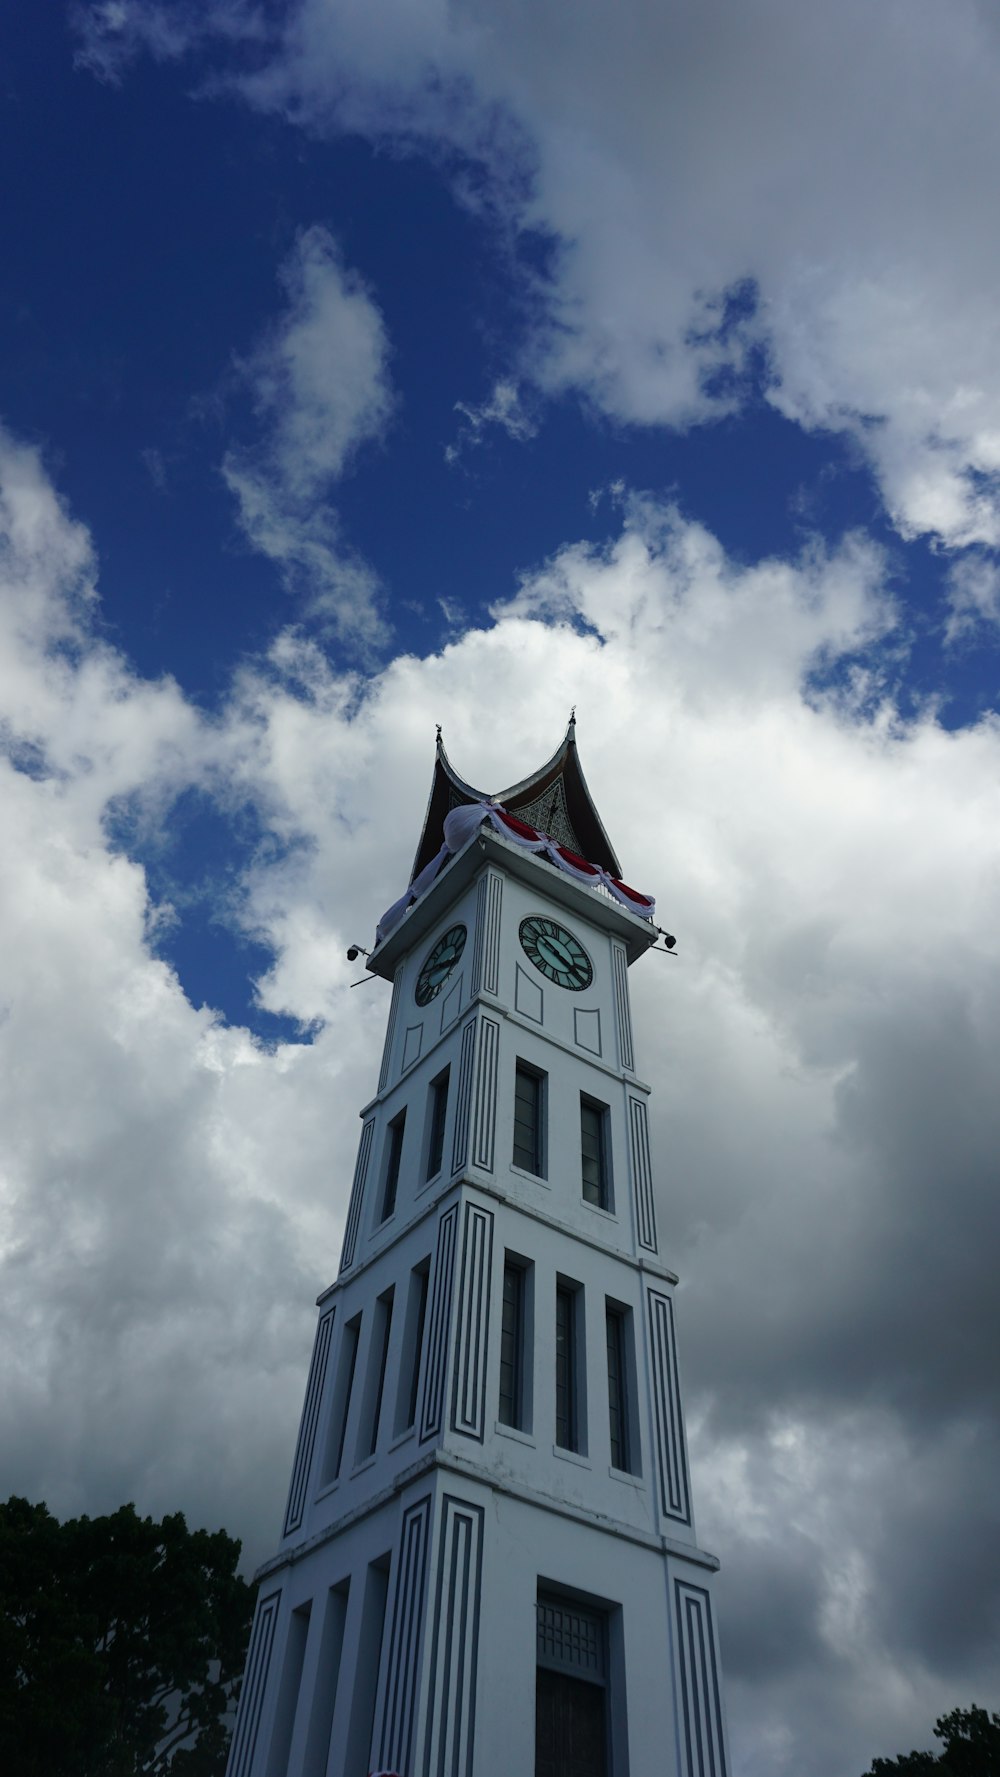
(141, 1225)
(842, 158)
(320, 388)
(112, 33)
(503, 407)
(320, 379)
(171, 1192)
(973, 595)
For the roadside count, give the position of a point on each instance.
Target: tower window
(529, 1096)
(413, 1345)
(393, 1158)
(341, 1404)
(594, 1157)
(438, 1114)
(375, 1388)
(570, 1408)
(515, 1345)
(621, 1391)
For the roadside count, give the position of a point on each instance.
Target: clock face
(560, 957)
(437, 966)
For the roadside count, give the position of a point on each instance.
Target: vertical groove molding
(390, 1029)
(642, 1172)
(491, 946)
(623, 1013)
(480, 943)
(357, 1195)
(435, 1369)
(675, 1497)
(702, 1732)
(396, 1744)
(468, 1408)
(486, 954)
(451, 1691)
(307, 1427)
(243, 1750)
(463, 1098)
(484, 1096)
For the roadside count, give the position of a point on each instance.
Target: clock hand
(555, 951)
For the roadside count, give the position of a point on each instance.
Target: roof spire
(555, 799)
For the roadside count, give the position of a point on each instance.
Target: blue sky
(127, 318)
(368, 368)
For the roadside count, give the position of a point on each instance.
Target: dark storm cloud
(770, 1601)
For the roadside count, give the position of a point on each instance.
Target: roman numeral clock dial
(438, 965)
(556, 953)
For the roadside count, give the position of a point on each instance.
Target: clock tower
(488, 1564)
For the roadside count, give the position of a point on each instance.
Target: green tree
(121, 1645)
(971, 1749)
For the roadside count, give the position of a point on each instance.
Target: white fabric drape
(460, 825)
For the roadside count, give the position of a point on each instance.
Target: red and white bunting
(463, 822)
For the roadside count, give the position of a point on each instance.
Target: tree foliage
(971, 1749)
(121, 1645)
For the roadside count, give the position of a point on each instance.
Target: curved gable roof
(555, 799)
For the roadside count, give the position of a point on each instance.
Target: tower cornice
(449, 1461)
(479, 1186)
(486, 846)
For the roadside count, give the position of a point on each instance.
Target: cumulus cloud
(136, 1227)
(724, 189)
(973, 595)
(320, 389)
(823, 1050)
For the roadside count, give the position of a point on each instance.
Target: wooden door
(571, 1733)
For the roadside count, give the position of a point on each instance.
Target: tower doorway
(571, 1694)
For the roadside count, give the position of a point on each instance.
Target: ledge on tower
(554, 799)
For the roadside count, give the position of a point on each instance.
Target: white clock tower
(488, 1565)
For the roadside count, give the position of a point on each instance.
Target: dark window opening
(341, 1404)
(512, 1348)
(618, 1403)
(438, 1115)
(396, 1128)
(567, 1362)
(383, 1327)
(594, 1153)
(528, 1099)
(413, 1345)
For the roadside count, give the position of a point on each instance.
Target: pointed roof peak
(554, 798)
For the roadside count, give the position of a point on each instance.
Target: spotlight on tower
(356, 950)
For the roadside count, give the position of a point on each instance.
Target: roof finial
(438, 727)
(572, 716)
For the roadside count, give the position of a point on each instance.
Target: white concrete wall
(450, 1525)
